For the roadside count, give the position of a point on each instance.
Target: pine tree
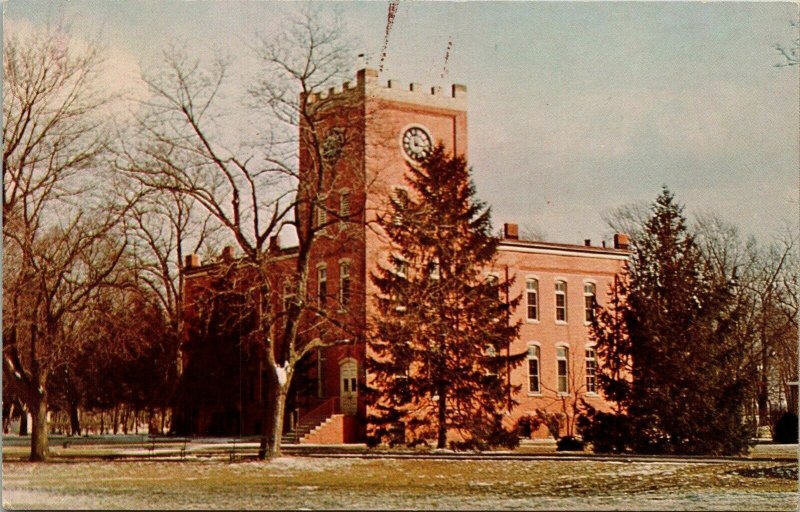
(440, 347)
(669, 357)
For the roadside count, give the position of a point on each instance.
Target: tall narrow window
(322, 286)
(532, 297)
(322, 215)
(344, 209)
(435, 270)
(492, 289)
(591, 371)
(589, 300)
(402, 268)
(399, 199)
(344, 283)
(533, 369)
(288, 296)
(562, 362)
(561, 301)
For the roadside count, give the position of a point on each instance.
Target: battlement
(368, 84)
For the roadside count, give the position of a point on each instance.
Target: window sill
(563, 394)
(592, 394)
(530, 393)
(531, 321)
(561, 322)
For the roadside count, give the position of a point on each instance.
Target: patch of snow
(282, 372)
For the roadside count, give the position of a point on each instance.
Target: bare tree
(254, 192)
(60, 243)
(763, 278)
(790, 53)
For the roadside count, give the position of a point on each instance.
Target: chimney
(604, 244)
(587, 242)
(192, 261)
(621, 241)
(227, 254)
(274, 243)
(459, 91)
(510, 231)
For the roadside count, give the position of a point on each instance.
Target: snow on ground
(350, 483)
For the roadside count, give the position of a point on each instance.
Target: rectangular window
(589, 300)
(562, 361)
(591, 371)
(561, 301)
(322, 286)
(344, 209)
(344, 283)
(532, 297)
(533, 369)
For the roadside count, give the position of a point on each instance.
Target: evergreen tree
(440, 345)
(669, 356)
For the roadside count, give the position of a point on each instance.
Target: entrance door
(348, 386)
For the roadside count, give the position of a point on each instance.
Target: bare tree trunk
(7, 417)
(441, 441)
(267, 430)
(763, 392)
(23, 423)
(277, 430)
(74, 420)
(125, 414)
(102, 423)
(115, 420)
(39, 442)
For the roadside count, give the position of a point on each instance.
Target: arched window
(533, 369)
(562, 364)
(561, 301)
(591, 370)
(589, 300)
(532, 298)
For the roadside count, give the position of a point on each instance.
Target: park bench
(153, 440)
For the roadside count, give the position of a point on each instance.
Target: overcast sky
(574, 108)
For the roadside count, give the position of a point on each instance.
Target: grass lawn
(353, 483)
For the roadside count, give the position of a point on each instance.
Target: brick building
(374, 131)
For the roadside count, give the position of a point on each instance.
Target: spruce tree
(669, 356)
(439, 352)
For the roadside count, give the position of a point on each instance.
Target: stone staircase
(313, 421)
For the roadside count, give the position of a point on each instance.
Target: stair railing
(318, 414)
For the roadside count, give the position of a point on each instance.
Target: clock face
(416, 143)
(332, 145)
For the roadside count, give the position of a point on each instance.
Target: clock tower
(371, 132)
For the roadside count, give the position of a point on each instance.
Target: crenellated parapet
(368, 84)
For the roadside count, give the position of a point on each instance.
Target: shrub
(785, 429)
(552, 420)
(607, 432)
(569, 444)
(525, 426)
